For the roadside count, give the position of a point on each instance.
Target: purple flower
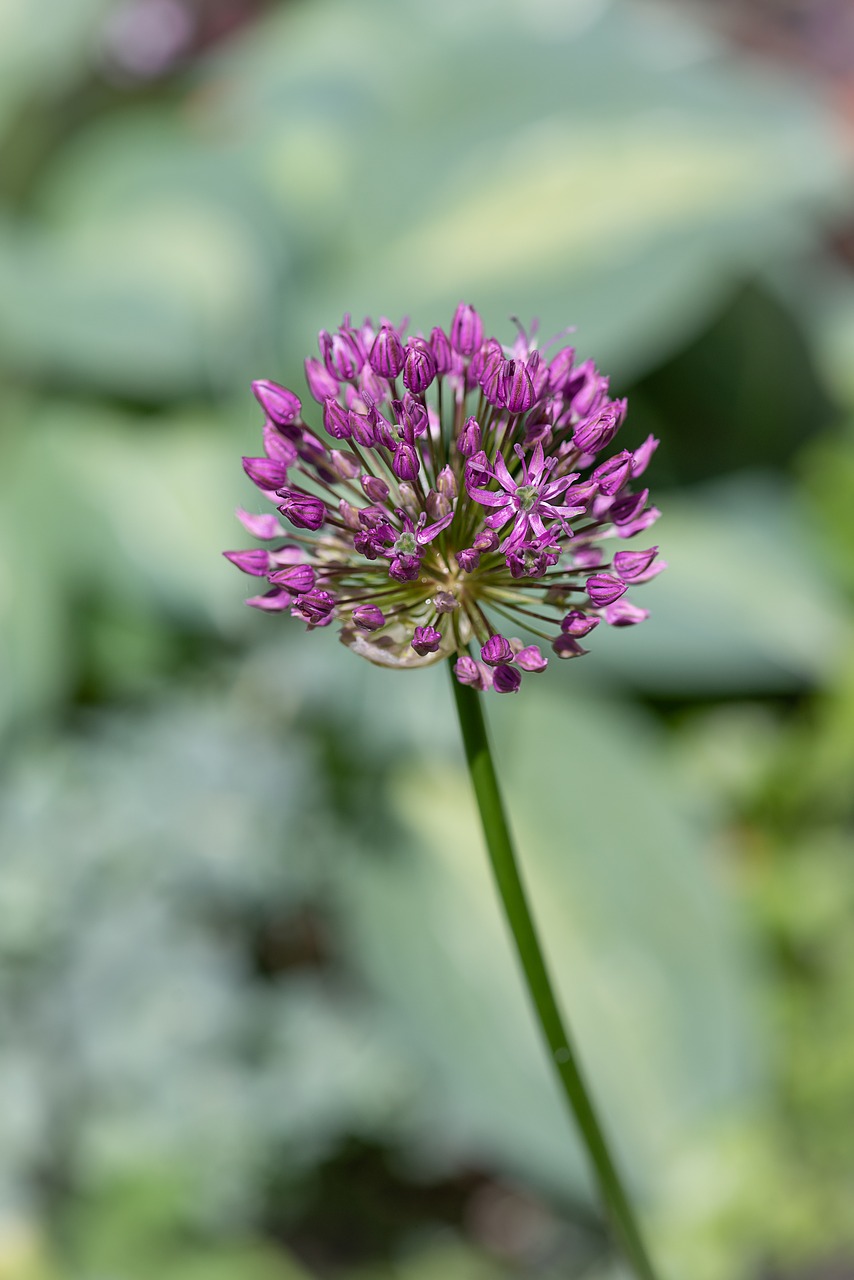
(528, 499)
(433, 527)
(641, 457)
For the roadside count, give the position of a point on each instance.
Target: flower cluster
(462, 486)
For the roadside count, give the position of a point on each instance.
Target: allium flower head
(464, 490)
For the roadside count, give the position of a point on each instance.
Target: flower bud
(442, 353)
(436, 505)
(362, 430)
(496, 650)
(624, 614)
(368, 617)
(349, 514)
(596, 433)
(303, 511)
(419, 366)
(567, 647)
(297, 578)
(466, 330)
(446, 483)
(486, 540)
(629, 507)
(321, 384)
(405, 568)
(492, 379)
(578, 624)
(386, 356)
(341, 355)
(426, 640)
(409, 499)
(411, 417)
(642, 455)
(375, 488)
(336, 419)
(279, 446)
(560, 367)
(470, 438)
(530, 659)
(517, 388)
(506, 679)
(604, 588)
(271, 601)
(345, 465)
(613, 474)
(255, 562)
(472, 673)
(268, 473)
(266, 526)
(405, 464)
(631, 564)
(316, 607)
(279, 404)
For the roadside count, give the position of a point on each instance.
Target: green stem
(561, 1052)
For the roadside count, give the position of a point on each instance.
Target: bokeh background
(258, 1016)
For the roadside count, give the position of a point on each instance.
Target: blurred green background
(258, 1016)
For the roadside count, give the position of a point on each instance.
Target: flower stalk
(552, 1024)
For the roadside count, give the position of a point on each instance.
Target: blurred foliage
(257, 1014)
